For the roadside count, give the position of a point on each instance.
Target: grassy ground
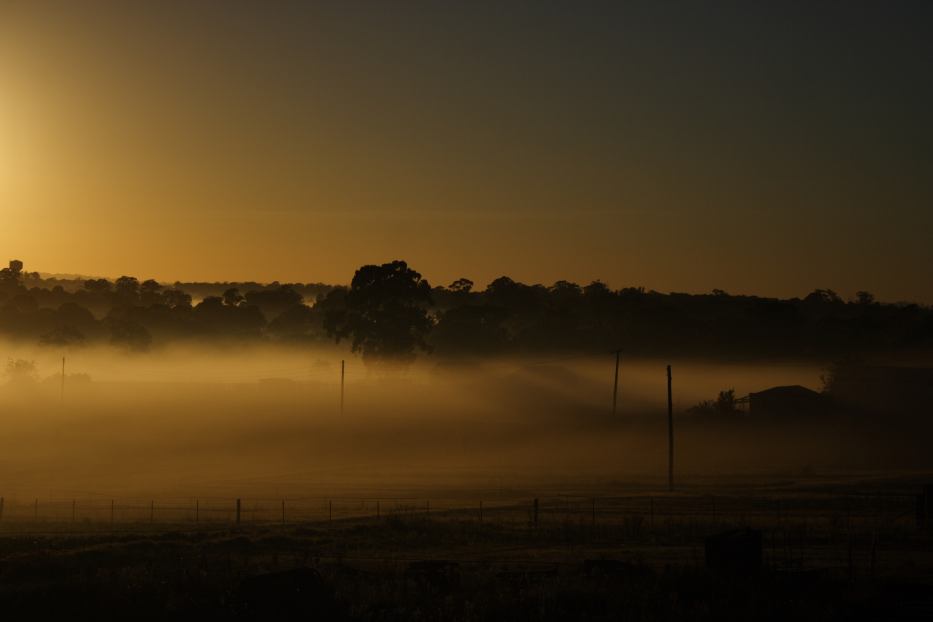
(822, 560)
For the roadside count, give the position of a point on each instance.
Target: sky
(764, 148)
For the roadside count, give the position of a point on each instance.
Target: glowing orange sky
(755, 150)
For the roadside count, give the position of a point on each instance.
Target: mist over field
(266, 421)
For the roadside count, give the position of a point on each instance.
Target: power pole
(61, 395)
(670, 433)
(343, 368)
(615, 386)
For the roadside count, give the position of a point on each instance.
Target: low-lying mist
(267, 421)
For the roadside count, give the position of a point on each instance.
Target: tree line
(391, 311)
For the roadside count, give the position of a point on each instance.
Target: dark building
(785, 401)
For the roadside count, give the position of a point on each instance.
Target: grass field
(832, 549)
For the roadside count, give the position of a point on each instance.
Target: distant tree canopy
(390, 311)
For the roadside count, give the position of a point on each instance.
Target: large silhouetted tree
(384, 313)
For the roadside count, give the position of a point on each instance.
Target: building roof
(794, 390)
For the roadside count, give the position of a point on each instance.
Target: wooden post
(197, 510)
(36, 510)
(152, 511)
(534, 518)
(427, 506)
(283, 511)
(73, 513)
(330, 511)
(481, 510)
(615, 385)
(238, 511)
(61, 396)
(111, 511)
(377, 508)
(1, 508)
(343, 368)
(670, 433)
(594, 511)
(651, 513)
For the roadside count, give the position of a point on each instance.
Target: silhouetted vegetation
(384, 313)
(724, 404)
(391, 311)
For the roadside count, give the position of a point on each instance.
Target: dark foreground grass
(434, 568)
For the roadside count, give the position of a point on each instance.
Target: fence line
(636, 512)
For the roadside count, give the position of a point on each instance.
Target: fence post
(377, 509)
(197, 510)
(152, 511)
(594, 511)
(283, 511)
(238, 511)
(534, 516)
(670, 433)
(481, 511)
(111, 511)
(651, 512)
(1, 508)
(73, 510)
(36, 511)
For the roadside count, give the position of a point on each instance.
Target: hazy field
(267, 423)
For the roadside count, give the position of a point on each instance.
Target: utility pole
(61, 395)
(343, 368)
(670, 433)
(615, 386)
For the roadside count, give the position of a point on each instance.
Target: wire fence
(815, 514)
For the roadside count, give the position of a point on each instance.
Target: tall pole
(343, 366)
(670, 433)
(61, 395)
(615, 386)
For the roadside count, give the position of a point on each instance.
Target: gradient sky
(757, 147)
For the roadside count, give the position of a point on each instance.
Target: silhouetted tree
(274, 300)
(232, 297)
(98, 285)
(129, 334)
(126, 289)
(298, 323)
(150, 292)
(384, 312)
(10, 278)
(176, 299)
(63, 336)
(864, 298)
(724, 404)
(13, 273)
(461, 285)
(471, 329)
(826, 296)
